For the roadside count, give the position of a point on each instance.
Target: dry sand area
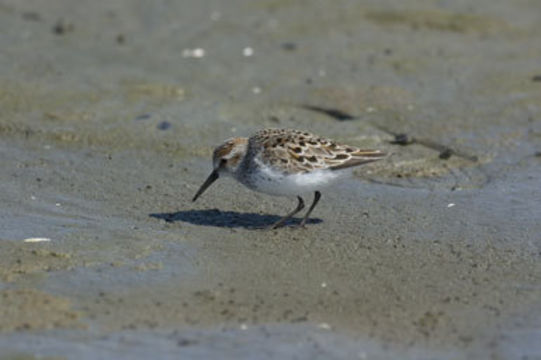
(109, 111)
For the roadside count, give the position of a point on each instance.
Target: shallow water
(107, 123)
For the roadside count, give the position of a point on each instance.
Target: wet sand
(109, 112)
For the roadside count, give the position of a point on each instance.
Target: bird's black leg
(317, 196)
(281, 222)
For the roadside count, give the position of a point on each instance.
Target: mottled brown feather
(306, 152)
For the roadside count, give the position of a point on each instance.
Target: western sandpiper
(286, 162)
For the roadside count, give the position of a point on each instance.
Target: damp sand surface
(108, 114)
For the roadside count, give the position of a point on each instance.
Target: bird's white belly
(276, 183)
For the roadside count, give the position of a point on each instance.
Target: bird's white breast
(272, 182)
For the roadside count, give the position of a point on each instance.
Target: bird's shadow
(228, 219)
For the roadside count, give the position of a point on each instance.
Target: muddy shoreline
(107, 124)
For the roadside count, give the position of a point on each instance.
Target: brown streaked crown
(232, 150)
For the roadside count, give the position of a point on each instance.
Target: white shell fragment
(36, 240)
(193, 53)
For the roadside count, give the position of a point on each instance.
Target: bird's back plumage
(295, 151)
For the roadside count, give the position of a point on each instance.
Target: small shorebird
(286, 162)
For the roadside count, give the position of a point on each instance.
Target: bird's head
(226, 159)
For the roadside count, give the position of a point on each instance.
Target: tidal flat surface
(109, 111)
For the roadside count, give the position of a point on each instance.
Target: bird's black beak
(212, 178)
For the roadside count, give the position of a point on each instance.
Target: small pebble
(61, 27)
(402, 139)
(446, 154)
(164, 125)
(198, 53)
(193, 53)
(289, 46)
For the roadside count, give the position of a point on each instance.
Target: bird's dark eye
(223, 162)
